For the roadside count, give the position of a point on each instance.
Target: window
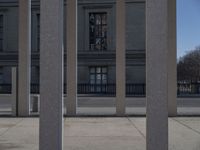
(38, 32)
(1, 32)
(1, 75)
(98, 79)
(98, 31)
(1, 80)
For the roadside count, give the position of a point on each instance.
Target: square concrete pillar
(157, 74)
(172, 66)
(51, 75)
(24, 57)
(120, 57)
(71, 103)
(14, 91)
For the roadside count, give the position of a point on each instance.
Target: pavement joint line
(136, 128)
(196, 131)
(11, 127)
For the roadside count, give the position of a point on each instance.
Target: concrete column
(24, 57)
(71, 57)
(172, 72)
(120, 57)
(51, 75)
(14, 91)
(156, 74)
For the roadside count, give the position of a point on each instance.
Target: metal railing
(110, 89)
(136, 89)
(188, 89)
(97, 89)
(133, 89)
(102, 89)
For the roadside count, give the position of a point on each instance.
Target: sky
(188, 26)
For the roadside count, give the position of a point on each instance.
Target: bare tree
(188, 67)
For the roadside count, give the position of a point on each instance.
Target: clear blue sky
(188, 25)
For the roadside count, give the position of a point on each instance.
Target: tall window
(98, 31)
(1, 75)
(98, 79)
(1, 32)
(38, 32)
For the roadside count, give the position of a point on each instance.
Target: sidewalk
(99, 133)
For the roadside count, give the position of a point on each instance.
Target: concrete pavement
(106, 106)
(102, 133)
(111, 111)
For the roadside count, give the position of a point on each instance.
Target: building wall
(135, 40)
(135, 26)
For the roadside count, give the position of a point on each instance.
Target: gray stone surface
(189, 111)
(156, 74)
(14, 91)
(190, 123)
(24, 57)
(71, 102)
(106, 106)
(172, 73)
(183, 136)
(51, 77)
(99, 133)
(120, 57)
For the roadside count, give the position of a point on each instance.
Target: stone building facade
(95, 56)
(96, 43)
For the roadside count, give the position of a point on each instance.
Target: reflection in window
(98, 31)
(1, 32)
(98, 79)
